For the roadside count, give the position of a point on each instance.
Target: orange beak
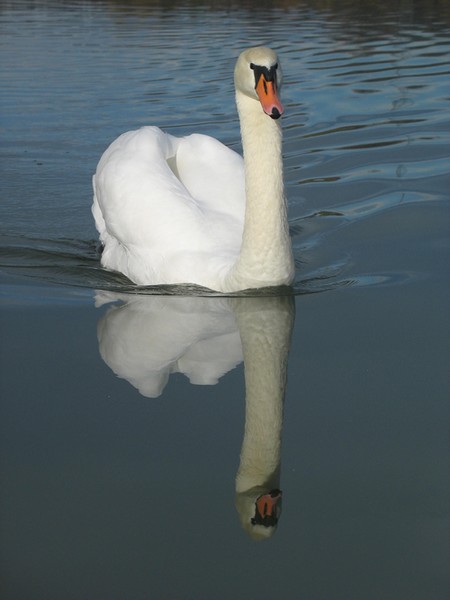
(267, 94)
(267, 509)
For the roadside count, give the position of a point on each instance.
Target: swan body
(192, 211)
(146, 338)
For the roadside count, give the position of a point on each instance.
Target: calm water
(137, 430)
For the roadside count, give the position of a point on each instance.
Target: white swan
(265, 326)
(190, 210)
(145, 338)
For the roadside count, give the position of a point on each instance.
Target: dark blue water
(138, 429)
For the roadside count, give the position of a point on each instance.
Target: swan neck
(262, 139)
(265, 256)
(265, 326)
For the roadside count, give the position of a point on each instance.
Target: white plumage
(188, 210)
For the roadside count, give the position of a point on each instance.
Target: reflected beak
(267, 509)
(267, 94)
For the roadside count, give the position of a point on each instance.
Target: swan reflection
(144, 339)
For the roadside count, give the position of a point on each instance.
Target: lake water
(138, 429)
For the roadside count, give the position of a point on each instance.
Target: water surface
(130, 418)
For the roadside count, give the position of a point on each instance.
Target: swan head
(259, 510)
(258, 75)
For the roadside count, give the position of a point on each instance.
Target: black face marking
(270, 74)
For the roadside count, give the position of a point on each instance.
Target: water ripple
(366, 125)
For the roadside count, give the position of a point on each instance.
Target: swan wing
(169, 210)
(213, 174)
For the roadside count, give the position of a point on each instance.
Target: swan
(145, 339)
(265, 326)
(190, 210)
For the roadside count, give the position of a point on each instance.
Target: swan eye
(253, 66)
(270, 74)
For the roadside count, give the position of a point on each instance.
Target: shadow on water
(146, 339)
